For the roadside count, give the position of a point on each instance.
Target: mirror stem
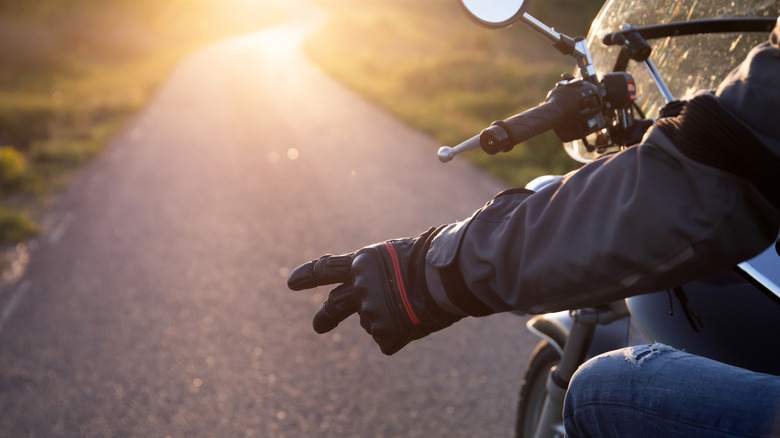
(659, 81)
(566, 45)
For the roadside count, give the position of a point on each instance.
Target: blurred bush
(15, 226)
(13, 169)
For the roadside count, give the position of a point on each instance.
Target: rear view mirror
(494, 13)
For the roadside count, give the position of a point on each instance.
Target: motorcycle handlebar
(503, 135)
(573, 109)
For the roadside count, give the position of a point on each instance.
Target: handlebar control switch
(620, 89)
(582, 103)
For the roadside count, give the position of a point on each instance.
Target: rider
(654, 216)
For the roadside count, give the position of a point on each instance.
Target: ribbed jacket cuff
(707, 132)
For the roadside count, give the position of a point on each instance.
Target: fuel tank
(732, 317)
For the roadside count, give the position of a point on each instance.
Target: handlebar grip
(503, 135)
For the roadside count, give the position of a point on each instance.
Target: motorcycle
(639, 56)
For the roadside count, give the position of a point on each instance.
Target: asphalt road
(155, 304)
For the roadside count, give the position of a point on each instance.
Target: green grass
(438, 72)
(75, 70)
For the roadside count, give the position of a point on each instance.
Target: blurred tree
(572, 17)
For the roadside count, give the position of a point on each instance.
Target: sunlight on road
(274, 157)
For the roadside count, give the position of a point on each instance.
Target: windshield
(687, 63)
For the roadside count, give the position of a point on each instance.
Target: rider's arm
(701, 194)
(698, 196)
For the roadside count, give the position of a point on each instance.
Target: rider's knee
(609, 368)
(606, 380)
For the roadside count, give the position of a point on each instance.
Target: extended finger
(328, 269)
(339, 305)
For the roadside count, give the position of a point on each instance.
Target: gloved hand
(385, 284)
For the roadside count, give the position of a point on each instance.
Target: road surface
(155, 304)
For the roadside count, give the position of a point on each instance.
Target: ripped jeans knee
(656, 389)
(639, 354)
(611, 366)
(619, 368)
(613, 378)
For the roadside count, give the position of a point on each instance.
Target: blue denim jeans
(657, 391)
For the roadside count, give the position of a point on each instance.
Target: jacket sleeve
(698, 196)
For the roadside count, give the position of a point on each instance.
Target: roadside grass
(428, 65)
(75, 70)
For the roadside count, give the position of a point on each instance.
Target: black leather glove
(385, 284)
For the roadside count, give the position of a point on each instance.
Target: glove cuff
(448, 290)
(420, 272)
(459, 294)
